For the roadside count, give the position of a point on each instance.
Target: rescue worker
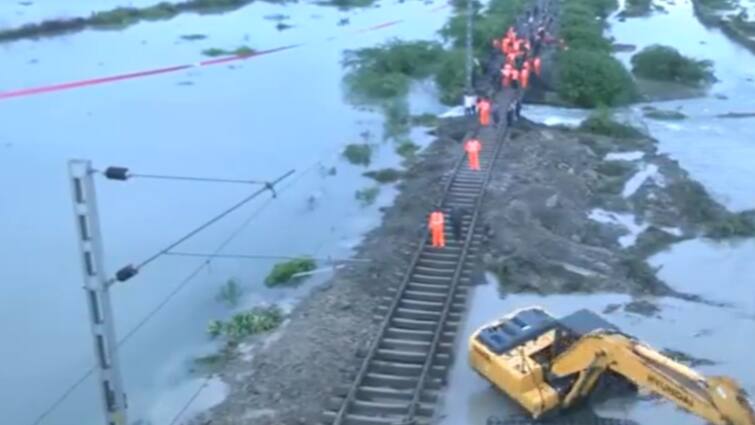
(506, 75)
(524, 75)
(457, 215)
(518, 108)
(436, 226)
(483, 110)
(514, 78)
(536, 65)
(473, 148)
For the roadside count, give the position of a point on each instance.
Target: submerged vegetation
(284, 272)
(367, 196)
(230, 293)
(667, 64)
(602, 122)
(637, 8)
(239, 51)
(407, 149)
(385, 175)
(241, 325)
(661, 114)
(358, 154)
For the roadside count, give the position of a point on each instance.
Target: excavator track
(583, 419)
(405, 369)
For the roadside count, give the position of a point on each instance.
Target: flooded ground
(256, 119)
(716, 151)
(697, 330)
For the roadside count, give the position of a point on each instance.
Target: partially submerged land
(567, 211)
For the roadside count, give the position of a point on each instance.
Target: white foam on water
(456, 111)
(627, 221)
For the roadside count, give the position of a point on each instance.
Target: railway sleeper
(433, 296)
(423, 325)
(382, 354)
(392, 332)
(406, 369)
(416, 346)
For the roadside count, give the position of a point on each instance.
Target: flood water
(255, 119)
(717, 152)
(700, 331)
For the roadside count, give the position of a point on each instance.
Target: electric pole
(96, 288)
(470, 11)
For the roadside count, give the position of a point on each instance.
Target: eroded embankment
(583, 212)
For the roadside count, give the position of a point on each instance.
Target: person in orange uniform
(515, 83)
(536, 64)
(436, 226)
(524, 75)
(483, 108)
(506, 75)
(473, 148)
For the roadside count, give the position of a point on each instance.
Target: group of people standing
(520, 60)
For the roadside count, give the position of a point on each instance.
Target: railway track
(405, 368)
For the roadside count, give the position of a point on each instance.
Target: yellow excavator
(547, 365)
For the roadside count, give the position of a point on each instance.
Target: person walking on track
(473, 148)
(436, 226)
(483, 108)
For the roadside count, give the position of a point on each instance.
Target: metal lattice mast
(96, 288)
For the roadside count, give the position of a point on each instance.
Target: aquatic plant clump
(284, 272)
(358, 154)
(241, 325)
(665, 63)
(367, 196)
(239, 51)
(385, 175)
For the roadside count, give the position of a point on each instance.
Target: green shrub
(239, 51)
(451, 77)
(614, 168)
(284, 272)
(253, 322)
(735, 225)
(601, 122)
(367, 196)
(397, 121)
(590, 78)
(407, 149)
(659, 114)
(667, 64)
(385, 175)
(358, 154)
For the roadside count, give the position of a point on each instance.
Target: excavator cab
(547, 365)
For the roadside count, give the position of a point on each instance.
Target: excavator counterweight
(547, 364)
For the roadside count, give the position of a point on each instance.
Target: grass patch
(664, 63)
(694, 202)
(230, 293)
(367, 196)
(614, 168)
(602, 122)
(659, 114)
(639, 271)
(358, 154)
(407, 149)
(241, 325)
(284, 272)
(239, 51)
(718, 4)
(734, 225)
(385, 175)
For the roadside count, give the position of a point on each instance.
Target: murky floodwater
(716, 151)
(700, 331)
(255, 119)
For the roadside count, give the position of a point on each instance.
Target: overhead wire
(268, 186)
(196, 179)
(261, 257)
(180, 286)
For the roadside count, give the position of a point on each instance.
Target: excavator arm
(719, 400)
